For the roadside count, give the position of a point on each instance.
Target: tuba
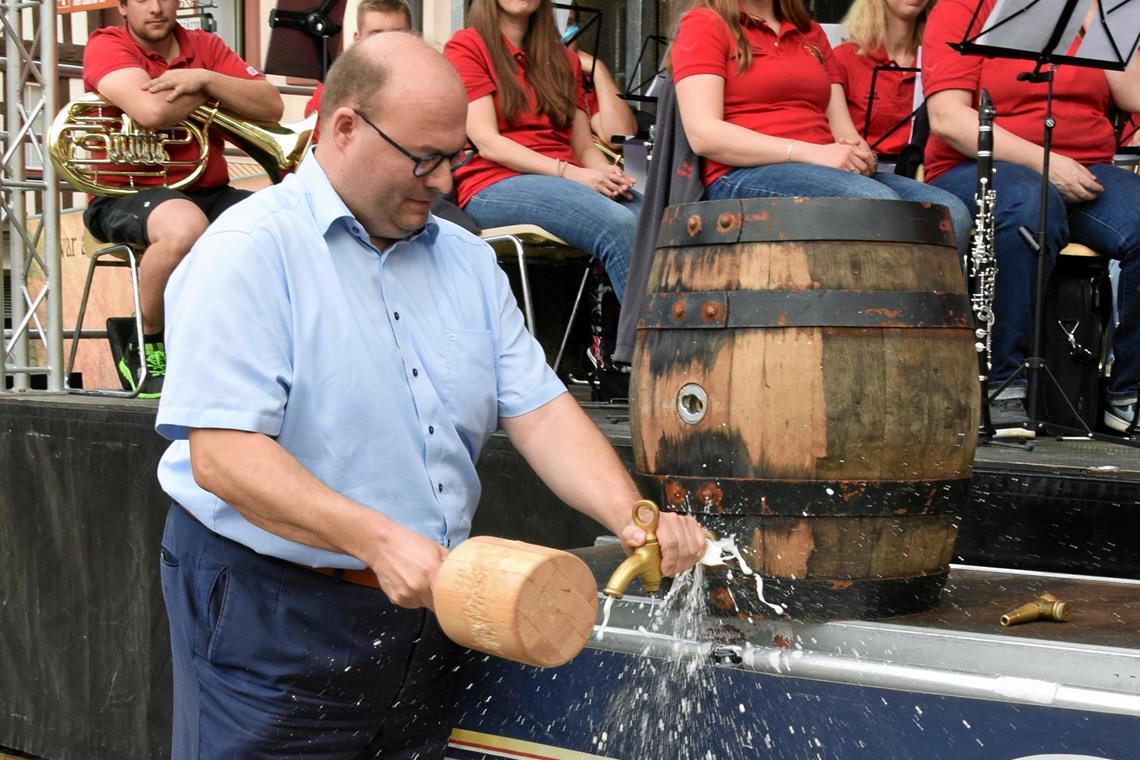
(101, 150)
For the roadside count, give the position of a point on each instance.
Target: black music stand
(577, 32)
(1035, 30)
(634, 89)
(300, 44)
(891, 69)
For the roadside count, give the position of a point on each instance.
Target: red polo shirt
(314, 103)
(783, 94)
(531, 128)
(1081, 97)
(894, 95)
(313, 106)
(113, 48)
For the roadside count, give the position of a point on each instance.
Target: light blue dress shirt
(382, 372)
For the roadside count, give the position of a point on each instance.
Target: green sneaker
(155, 352)
(129, 366)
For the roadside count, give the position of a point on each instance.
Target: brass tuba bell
(100, 150)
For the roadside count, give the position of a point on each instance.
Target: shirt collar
(329, 208)
(186, 49)
(748, 21)
(879, 56)
(517, 53)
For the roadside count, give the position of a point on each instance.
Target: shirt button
(415, 372)
(441, 487)
(397, 315)
(431, 430)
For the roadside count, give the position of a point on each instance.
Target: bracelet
(562, 165)
(788, 155)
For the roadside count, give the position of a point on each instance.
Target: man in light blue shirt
(338, 359)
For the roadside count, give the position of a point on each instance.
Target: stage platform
(84, 658)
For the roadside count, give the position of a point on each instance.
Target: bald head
(391, 72)
(393, 114)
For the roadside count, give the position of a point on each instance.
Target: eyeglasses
(424, 165)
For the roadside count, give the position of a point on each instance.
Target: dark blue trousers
(272, 660)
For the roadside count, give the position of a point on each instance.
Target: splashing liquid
(655, 704)
(721, 550)
(600, 630)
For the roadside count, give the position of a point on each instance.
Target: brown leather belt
(363, 577)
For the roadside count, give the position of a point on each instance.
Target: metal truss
(29, 200)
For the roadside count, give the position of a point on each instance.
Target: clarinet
(983, 261)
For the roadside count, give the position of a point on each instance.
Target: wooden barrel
(805, 379)
(515, 600)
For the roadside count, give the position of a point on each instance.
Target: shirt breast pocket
(471, 387)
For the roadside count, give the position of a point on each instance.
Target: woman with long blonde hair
(883, 35)
(761, 102)
(527, 116)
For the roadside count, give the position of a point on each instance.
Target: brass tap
(1044, 607)
(645, 562)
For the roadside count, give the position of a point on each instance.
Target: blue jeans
(273, 660)
(582, 217)
(1110, 225)
(781, 180)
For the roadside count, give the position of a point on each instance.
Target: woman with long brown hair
(761, 101)
(527, 116)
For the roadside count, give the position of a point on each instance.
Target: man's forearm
(253, 99)
(270, 488)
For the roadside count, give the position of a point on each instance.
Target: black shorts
(122, 218)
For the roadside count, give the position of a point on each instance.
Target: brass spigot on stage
(645, 562)
(1044, 607)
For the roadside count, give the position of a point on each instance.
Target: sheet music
(1026, 31)
(1123, 26)
(561, 19)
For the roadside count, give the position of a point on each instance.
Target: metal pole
(50, 209)
(27, 122)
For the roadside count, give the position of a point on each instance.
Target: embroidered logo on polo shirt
(252, 71)
(814, 51)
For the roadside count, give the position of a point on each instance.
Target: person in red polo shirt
(1090, 200)
(158, 73)
(761, 102)
(372, 17)
(882, 37)
(610, 115)
(527, 116)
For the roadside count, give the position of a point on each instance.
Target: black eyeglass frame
(431, 160)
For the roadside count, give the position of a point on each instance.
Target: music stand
(574, 33)
(295, 30)
(871, 103)
(1043, 31)
(633, 87)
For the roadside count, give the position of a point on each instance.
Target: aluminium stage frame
(30, 199)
